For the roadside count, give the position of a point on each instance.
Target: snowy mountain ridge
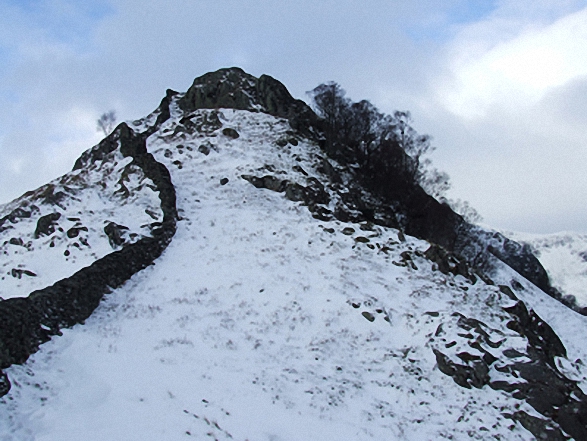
(266, 316)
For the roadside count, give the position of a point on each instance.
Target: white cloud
(509, 117)
(520, 69)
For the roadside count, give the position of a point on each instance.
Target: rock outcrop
(233, 88)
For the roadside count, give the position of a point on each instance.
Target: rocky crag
(475, 355)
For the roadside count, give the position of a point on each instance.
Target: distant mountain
(214, 271)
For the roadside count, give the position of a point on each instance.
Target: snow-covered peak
(278, 306)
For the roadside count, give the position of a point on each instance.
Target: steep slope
(27, 322)
(564, 255)
(269, 317)
(51, 233)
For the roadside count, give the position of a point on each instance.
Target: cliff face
(331, 297)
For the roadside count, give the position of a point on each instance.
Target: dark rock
(50, 196)
(474, 373)
(205, 149)
(406, 255)
(115, 234)
(348, 231)
(16, 241)
(226, 88)
(230, 133)
(300, 170)
(234, 89)
(539, 334)
(508, 292)
(74, 231)
(206, 123)
(17, 273)
(320, 213)
(46, 224)
(312, 195)
(448, 263)
(15, 215)
(542, 429)
(295, 192)
(512, 353)
(517, 285)
(4, 384)
(269, 182)
(368, 316)
(224, 181)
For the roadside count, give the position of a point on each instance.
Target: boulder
(115, 234)
(46, 224)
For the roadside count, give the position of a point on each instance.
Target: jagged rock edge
(26, 323)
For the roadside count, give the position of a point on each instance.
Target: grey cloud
(131, 55)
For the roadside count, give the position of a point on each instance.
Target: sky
(500, 85)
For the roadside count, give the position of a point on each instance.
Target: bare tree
(464, 209)
(434, 182)
(412, 142)
(106, 122)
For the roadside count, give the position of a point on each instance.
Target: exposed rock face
(313, 195)
(531, 375)
(232, 88)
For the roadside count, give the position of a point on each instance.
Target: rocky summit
(216, 270)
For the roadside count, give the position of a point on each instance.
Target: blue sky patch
(68, 21)
(462, 12)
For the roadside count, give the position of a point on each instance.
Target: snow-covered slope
(49, 234)
(564, 255)
(263, 320)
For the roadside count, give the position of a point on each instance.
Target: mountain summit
(216, 270)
